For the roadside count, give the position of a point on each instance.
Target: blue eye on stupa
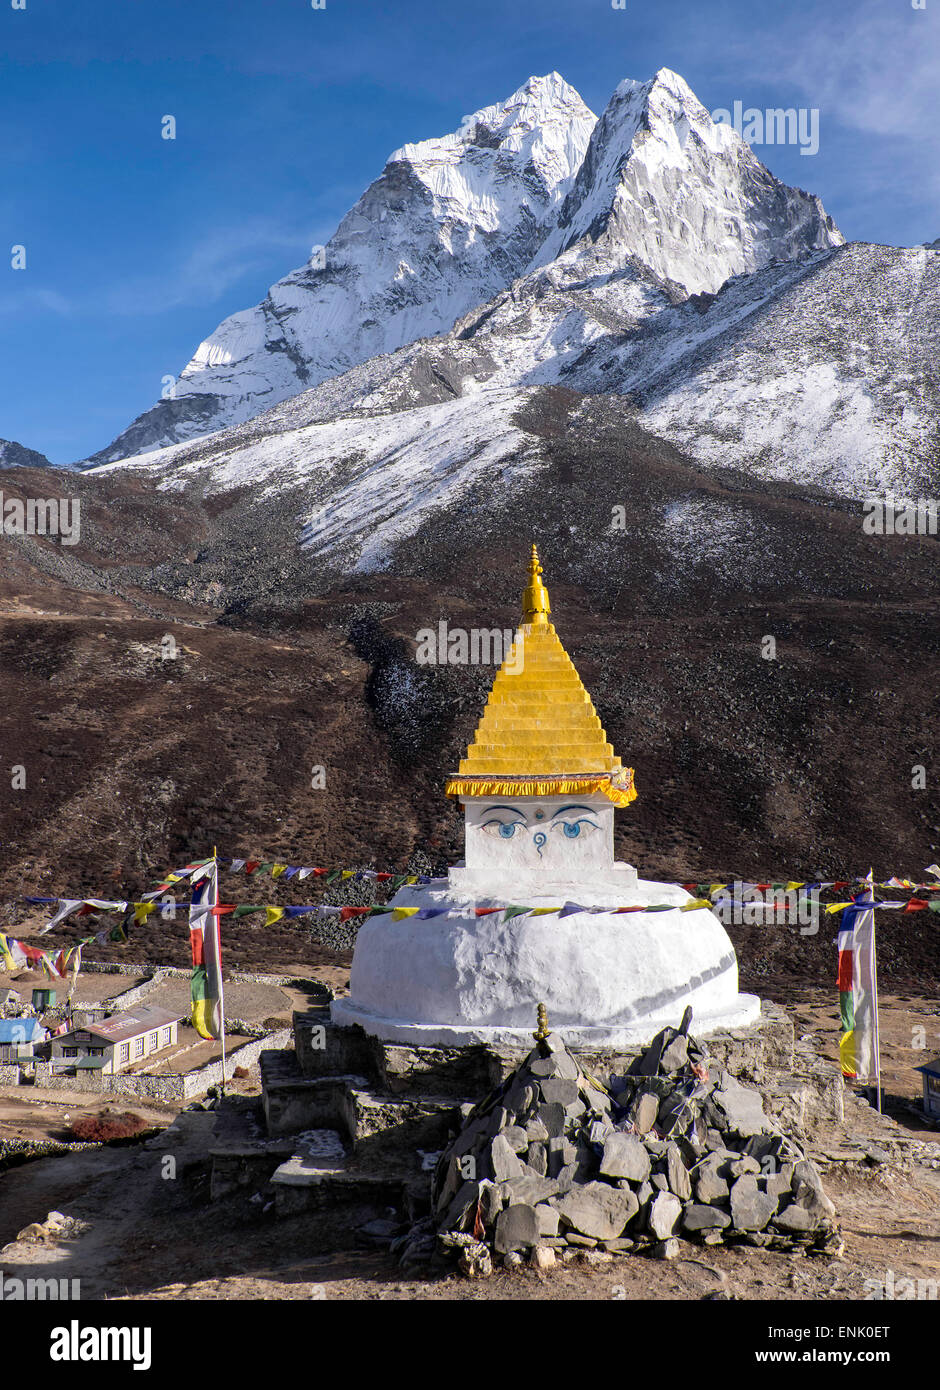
(574, 829)
(505, 829)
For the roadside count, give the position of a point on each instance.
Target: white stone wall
(524, 846)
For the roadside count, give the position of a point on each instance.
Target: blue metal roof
(18, 1030)
(932, 1068)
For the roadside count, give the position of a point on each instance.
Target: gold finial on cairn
(541, 1019)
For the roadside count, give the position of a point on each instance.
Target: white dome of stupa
(540, 911)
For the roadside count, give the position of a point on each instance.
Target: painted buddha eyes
(575, 828)
(504, 829)
(572, 827)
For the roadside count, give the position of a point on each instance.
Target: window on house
(96, 1052)
(70, 1052)
(167, 1035)
(139, 1046)
(125, 1052)
(154, 1040)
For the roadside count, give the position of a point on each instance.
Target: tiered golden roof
(540, 734)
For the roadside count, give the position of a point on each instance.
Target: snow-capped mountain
(13, 455)
(819, 373)
(655, 184)
(685, 196)
(813, 365)
(448, 223)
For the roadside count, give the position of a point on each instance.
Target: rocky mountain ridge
(452, 222)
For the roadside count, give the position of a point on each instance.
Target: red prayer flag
(348, 912)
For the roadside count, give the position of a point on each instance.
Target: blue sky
(137, 247)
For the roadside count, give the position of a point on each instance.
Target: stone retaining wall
(9, 1074)
(240, 977)
(172, 1089)
(119, 1002)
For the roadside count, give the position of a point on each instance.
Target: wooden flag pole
(218, 929)
(874, 989)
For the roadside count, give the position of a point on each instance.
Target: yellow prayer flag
(541, 911)
(792, 887)
(836, 907)
(272, 915)
(347, 873)
(401, 912)
(696, 902)
(277, 870)
(142, 911)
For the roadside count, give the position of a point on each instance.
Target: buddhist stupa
(539, 787)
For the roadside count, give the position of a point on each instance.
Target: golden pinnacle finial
(535, 604)
(541, 1014)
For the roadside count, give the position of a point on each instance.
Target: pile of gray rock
(555, 1161)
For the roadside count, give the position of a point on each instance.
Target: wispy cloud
(872, 67)
(31, 298)
(208, 269)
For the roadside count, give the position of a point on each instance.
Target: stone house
(119, 1043)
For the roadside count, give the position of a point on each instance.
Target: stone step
(296, 1192)
(318, 1153)
(377, 1121)
(324, 1049)
(235, 1167)
(295, 1102)
(327, 1049)
(464, 1073)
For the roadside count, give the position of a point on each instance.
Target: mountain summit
(448, 223)
(684, 196)
(654, 185)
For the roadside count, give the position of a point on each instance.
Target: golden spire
(535, 604)
(540, 734)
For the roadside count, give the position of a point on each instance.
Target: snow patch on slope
(366, 483)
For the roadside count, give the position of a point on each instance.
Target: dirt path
(147, 1235)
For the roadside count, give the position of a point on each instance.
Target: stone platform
(392, 1108)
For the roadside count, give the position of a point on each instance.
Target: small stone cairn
(554, 1161)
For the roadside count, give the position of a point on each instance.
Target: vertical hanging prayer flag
(206, 985)
(857, 1001)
